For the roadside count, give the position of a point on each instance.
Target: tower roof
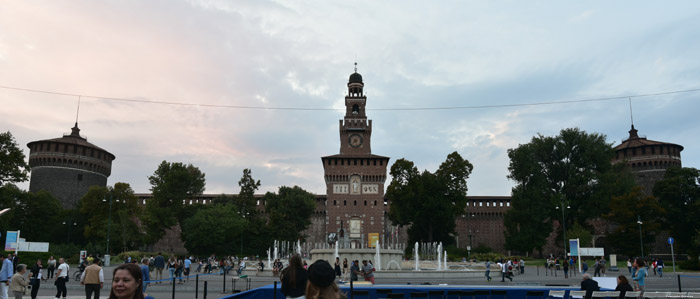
(355, 78)
(73, 138)
(635, 140)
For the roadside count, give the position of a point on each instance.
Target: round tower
(66, 167)
(648, 159)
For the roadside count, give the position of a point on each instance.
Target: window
(342, 162)
(365, 202)
(375, 202)
(508, 204)
(335, 203)
(345, 202)
(355, 202)
(487, 203)
(481, 203)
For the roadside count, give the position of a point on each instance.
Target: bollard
(679, 283)
(196, 286)
(538, 270)
(205, 290)
(224, 290)
(352, 296)
(173, 287)
(274, 293)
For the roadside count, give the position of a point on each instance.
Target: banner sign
(11, 240)
(573, 246)
(373, 238)
(34, 246)
(591, 251)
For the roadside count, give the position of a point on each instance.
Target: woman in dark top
(294, 278)
(337, 268)
(623, 286)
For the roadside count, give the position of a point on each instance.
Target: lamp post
(69, 225)
(641, 243)
(563, 222)
(109, 221)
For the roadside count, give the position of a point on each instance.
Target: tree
(124, 227)
(429, 202)
(246, 197)
(171, 185)
(38, 215)
(679, 195)
(13, 168)
(624, 212)
(289, 212)
(213, 229)
(574, 167)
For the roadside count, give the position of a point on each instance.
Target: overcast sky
(299, 54)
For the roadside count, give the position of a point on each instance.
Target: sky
(299, 54)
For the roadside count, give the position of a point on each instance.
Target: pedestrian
(188, 266)
(5, 276)
(368, 271)
(653, 266)
(241, 266)
(504, 271)
(589, 285)
(93, 279)
(180, 267)
(487, 273)
(596, 268)
(159, 265)
(623, 286)
(61, 279)
(172, 266)
(294, 278)
(566, 269)
(322, 282)
(15, 262)
(584, 267)
(127, 282)
(145, 274)
(36, 277)
(19, 282)
(602, 266)
(639, 274)
(50, 267)
(629, 265)
(522, 266)
(354, 270)
(660, 267)
(337, 270)
(345, 268)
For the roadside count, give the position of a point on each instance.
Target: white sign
(340, 188)
(591, 251)
(34, 246)
(370, 189)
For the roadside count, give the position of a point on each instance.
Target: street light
(74, 224)
(469, 234)
(563, 222)
(109, 221)
(641, 244)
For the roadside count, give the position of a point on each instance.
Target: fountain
(336, 250)
(415, 249)
(269, 261)
(439, 257)
(378, 257)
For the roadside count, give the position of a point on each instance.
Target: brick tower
(66, 167)
(355, 177)
(647, 159)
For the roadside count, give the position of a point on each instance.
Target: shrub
(692, 264)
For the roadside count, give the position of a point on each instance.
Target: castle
(354, 209)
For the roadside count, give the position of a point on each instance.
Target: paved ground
(215, 284)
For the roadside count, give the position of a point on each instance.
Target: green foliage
(246, 200)
(171, 184)
(582, 233)
(573, 167)
(679, 196)
(70, 252)
(429, 202)
(38, 215)
(125, 212)
(623, 214)
(289, 212)
(213, 229)
(13, 167)
(482, 248)
(692, 264)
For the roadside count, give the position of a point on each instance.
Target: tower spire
(355, 65)
(633, 131)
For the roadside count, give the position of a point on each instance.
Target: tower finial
(631, 114)
(355, 65)
(77, 113)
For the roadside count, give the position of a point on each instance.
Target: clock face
(355, 140)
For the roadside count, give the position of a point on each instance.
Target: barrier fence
(196, 278)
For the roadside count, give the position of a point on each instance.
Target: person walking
(345, 268)
(596, 268)
(50, 267)
(522, 266)
(368, 271)
(639, 274)
(93, 279)
(145, 273)
(566, 269)
(629, 265)
(188, 266)
(354, 270)
(660, 267)
(5, 276)
(504, 271)
(61, 279)
(487, 273)
(35, 280)
(172, 266)
(159, 264)
(322, 282)
(294, 278)
(19, 282)
(337, 270)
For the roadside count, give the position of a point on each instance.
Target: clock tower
(355, 178)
